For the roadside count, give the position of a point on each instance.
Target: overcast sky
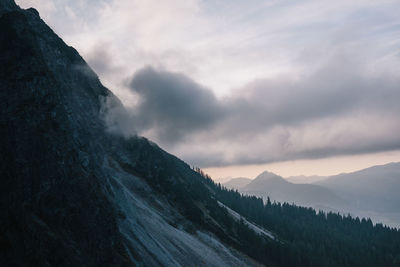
(228, 83)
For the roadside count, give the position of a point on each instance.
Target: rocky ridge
(73, 194)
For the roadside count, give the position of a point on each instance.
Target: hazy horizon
(320, 167)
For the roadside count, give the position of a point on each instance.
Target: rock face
(55, 211)
(71, 194)
(7, 5)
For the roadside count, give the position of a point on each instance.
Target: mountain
(237, 183)
(271, 185)
(75, 194)
(373, 191)
(302, 179)
(376, 187)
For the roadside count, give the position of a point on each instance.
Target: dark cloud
(332, 90)
(335, 110)
(172, 104)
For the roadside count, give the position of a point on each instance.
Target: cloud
(170, 107)
(337, 109)
(101, 60)
(223, 44)
(237, 82)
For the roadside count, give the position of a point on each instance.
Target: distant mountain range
(371, 192)
(302, 179)
(237, 183)
(279, 189)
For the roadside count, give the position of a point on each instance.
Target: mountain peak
(266, 175)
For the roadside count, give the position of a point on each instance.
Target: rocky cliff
(73, 194)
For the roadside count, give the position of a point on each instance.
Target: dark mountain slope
(49, 157)
(66, 183)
